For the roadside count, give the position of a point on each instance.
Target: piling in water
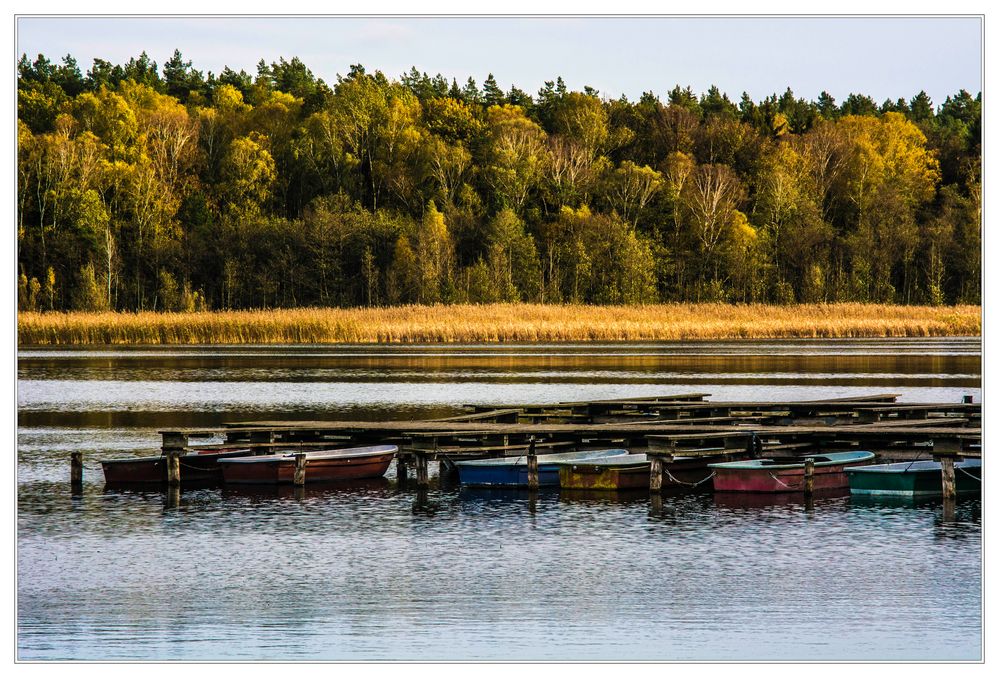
(76, 471)
(809, 485)
(300, 462)
(532, 466)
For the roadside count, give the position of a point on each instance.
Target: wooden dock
(662, 426)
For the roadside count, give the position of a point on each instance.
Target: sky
(885, 58)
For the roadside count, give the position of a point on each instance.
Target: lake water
(379, 572)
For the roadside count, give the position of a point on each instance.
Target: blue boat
(512, 471)
(913, 479)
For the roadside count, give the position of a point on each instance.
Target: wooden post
(76, 471)
(949, 481)
(173, 440)
(809, 476)
(400, 469)
(422, 476)
(655, 474)
(173, 467)
(173, 496)
(300, 462)
(532, 467)
(656, 504)
(174, 444)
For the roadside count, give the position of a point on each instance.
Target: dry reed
(499, 323)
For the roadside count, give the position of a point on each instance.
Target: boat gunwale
(317, 455)
(206, 456)
(909, 467)
(543, 459)
(616, 462)
(757, 464)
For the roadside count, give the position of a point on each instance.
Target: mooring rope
(680, 482)
(969, 473)
(785, 484)
(917, 458)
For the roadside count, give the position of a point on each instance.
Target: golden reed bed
(499, 323)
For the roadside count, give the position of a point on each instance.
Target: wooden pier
(664, 427)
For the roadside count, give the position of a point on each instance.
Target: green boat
(913, 479)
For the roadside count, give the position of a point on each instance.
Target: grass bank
(499, 323)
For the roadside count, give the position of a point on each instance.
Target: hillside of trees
(142, 188)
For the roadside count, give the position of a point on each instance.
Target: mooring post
(949, 481)
(532, 467)
(172, 497)
(422, 475)
(173, 467)
(809, 476)
(655, 474)
(76, 471)
(174, 444)
(400, 469)
(300, 462)
(656, 504)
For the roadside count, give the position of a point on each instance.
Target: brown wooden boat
(321, 466)
(195, 467)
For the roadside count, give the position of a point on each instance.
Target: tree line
(142, 188)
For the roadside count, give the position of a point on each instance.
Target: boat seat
(786, 462)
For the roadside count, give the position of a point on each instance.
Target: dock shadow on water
(384, 571)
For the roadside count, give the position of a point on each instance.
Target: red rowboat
(321, 466)
(196, 467)
(785, 475)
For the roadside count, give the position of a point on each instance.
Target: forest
(142, 188)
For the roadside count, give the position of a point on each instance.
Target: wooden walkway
(639, 424)
(664, 427)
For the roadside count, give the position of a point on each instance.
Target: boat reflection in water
(762, 500)
(596, 497)
(283, 491)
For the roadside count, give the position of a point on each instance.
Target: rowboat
(512, 471)
(630, 472)
(782, 475)
(913, 479)
(623, 472)
(320, 466)
(195, 467)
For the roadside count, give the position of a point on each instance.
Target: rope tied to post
(677, 481)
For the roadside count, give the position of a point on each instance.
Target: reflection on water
(382, 571)
(206, 386)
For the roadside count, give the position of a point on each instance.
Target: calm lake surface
(379, 572)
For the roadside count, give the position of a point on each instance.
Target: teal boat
(913, 479)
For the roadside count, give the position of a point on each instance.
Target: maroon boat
(320, 466)
(195, 467)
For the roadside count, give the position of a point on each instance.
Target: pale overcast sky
(882, 57)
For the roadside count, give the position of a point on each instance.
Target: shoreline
(499, 323)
